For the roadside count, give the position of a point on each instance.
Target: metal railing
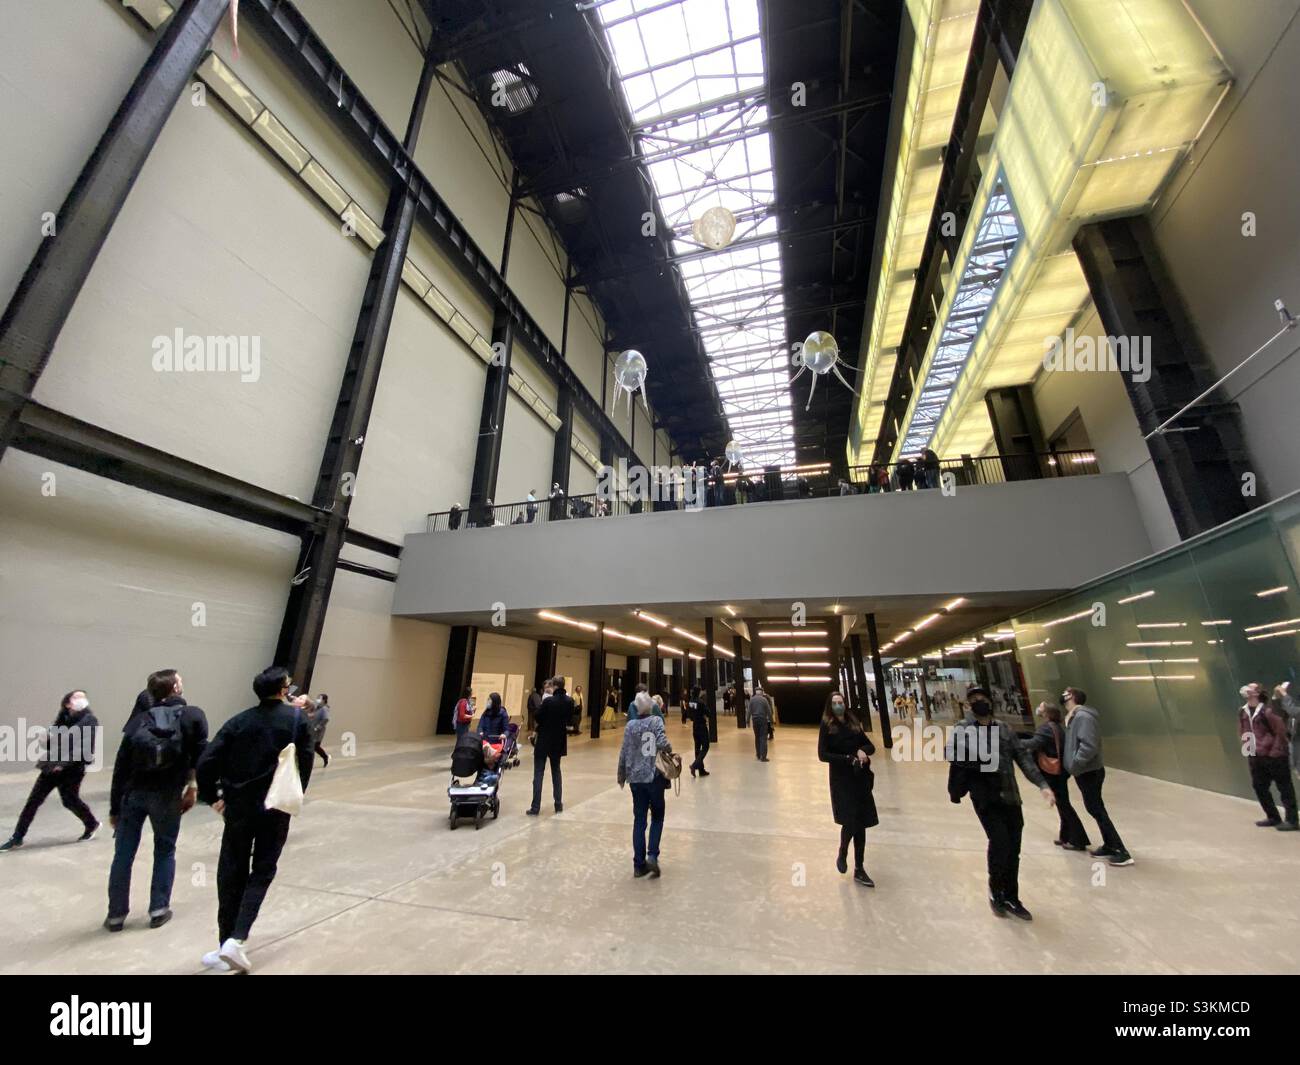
(739, 488)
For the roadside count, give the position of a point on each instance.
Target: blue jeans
(649, 798)
(163, 811)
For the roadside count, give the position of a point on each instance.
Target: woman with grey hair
(643, 739)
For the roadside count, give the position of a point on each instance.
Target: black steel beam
(308, 603)
(858, 672)
(462, 642)
(291, 37)
(50, 286)
(596, 694)
(711, 679)
(882, 703)
(1202, 467)
(72, 442)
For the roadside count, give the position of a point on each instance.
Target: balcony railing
(740, 488)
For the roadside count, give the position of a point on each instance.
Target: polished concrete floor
(373, 881)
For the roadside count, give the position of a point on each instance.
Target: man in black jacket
(234, 776)
(552, 743)
(981, 755)
(153, 780)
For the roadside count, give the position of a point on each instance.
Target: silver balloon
(629, 374)
(820, 354)
(733, 454)
(715, 228)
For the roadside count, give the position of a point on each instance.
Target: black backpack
(156, 741)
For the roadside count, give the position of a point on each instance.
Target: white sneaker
(232, 953)
(213, 960)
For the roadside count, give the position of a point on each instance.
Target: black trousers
(701, 749)
(250, 850)
(858, 835)
(1090, 788)
(1004, 824)
(68, 782)
(1265, 772)
(1072, 830)
(539, 771)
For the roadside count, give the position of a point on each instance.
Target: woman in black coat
(700, 734)
(1046, 744)
(843, 743)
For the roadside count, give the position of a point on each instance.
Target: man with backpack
(153, 779)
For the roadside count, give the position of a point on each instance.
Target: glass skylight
(693, 75)
(996, 239)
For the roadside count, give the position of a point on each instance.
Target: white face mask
(78, 704)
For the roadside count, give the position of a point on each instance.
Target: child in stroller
(476, 767)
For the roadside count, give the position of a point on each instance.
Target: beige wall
(218, 237)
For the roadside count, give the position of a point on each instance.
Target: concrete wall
(218, 237)
(1026, 535)
(1103, 404)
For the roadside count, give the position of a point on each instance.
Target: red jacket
(1269, 728)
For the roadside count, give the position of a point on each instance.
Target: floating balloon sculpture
(820, 354)
(733, 455)
(629, 375)
(714, 228)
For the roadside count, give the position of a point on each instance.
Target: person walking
(843, 744)
(760, 719)
(1083, 761)
(1047, 745)
(577, 709)
(234, 775)
(463, 715)
(981, 758)
(153, 780)
(552, 744)
(318, 714)
(700, 735)
(643, 739)
(1265, 744)
(71, 746)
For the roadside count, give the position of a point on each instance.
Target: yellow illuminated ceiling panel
(942, 31)
(1105, 102)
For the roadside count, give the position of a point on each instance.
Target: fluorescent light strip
(954, 603)
(991, 654)
(1160, 643)
(1068, 617)
(1272, 625)
(651, 618)
(1160, 676)
(691, 636)
(1272, 591)
(1221, 621)
(794, 650)
(1162, 625)
(799, 680)
(1270, 635)
(773, 634)
(798, 665)
(1135, 598)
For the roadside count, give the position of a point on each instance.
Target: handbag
(285, 792)
(670, 765)
(1049, 765)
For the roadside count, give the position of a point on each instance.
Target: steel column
(711, 679)
(49, 287)
(859, 670)
(304, 615)
(882, 705)
(596, 681)
(462, 642)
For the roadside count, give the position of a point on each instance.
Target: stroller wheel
(478, 817)
(452, 820)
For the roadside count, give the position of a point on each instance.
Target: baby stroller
(475, 785)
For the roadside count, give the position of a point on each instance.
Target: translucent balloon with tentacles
(733, 455)
(629, 374)
(820, 354)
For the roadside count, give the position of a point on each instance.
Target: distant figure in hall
(700, 736)
(318, 713)
(552, 744)
(760, 718)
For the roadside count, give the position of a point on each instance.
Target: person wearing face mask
(1047, 745)
(463, 716)
(843, 744)
(71, 748)
(1264, 742)
(981, 755)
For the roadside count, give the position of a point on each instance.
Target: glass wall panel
(1163, 648)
